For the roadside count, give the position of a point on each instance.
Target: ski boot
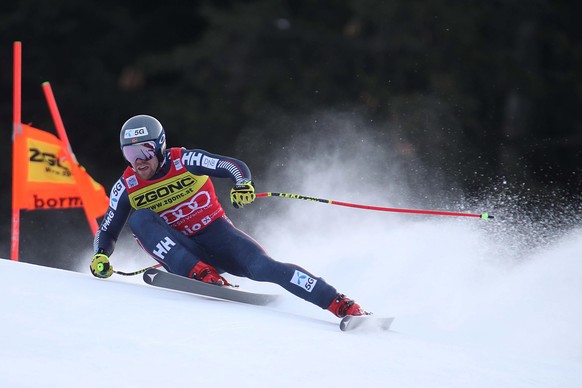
(207, 274)
(341, 306)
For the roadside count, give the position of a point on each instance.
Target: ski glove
(100, 266)
(243, 193)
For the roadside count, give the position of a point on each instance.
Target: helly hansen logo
(163, 247)
(303, 280)
(198, 159)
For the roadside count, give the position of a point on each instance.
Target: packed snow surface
(462, 320)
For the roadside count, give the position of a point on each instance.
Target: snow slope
(458, 325)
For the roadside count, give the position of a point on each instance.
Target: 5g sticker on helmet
(135, 132)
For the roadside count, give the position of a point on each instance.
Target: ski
(167, 280)
(162, 279)
(351, 322)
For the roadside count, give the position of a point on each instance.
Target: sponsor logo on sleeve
(209, 162)
(199, 159)
(192, 158)
(107, 221)
(116, 192)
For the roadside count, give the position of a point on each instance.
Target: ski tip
(366, 322)
(345, 323)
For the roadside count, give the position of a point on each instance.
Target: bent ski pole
(136, 272)
(484, 216)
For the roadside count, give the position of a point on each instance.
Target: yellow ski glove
(100, 266)
(242, 193)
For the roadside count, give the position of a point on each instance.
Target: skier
(175, 216)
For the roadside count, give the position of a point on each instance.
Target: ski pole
(484, 216)
(136, 272)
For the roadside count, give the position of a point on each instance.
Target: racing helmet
(142, 137)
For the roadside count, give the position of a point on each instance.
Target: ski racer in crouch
(175, 216)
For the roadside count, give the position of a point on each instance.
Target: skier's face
(142, 158)
(145, 169)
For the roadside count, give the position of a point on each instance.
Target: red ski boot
(341, 306)
(207, 274)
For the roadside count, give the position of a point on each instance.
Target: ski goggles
(143, 151)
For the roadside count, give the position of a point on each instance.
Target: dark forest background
(480, 91)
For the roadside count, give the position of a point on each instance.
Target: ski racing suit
(177, 219)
